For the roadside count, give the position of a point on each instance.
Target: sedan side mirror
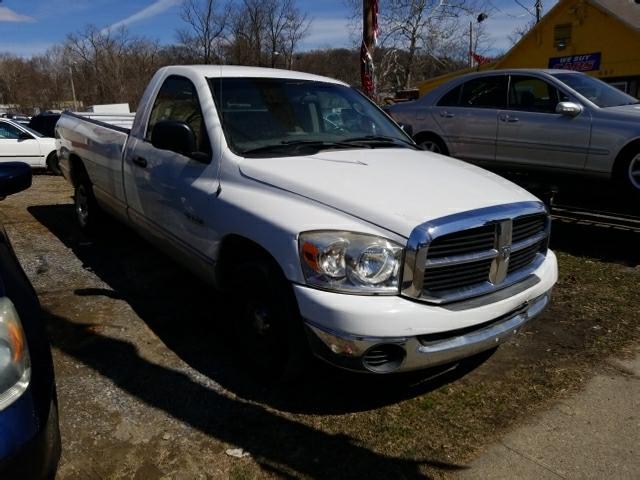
(14, 177)
(569, 109)
(174, 136)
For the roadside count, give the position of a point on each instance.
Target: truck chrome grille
(446, 277)
(528, 226)
(460, 243)
(465, 257)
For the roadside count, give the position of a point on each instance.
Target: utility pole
(470, 44)
(73, 90)
(538, 10)
(369, 32)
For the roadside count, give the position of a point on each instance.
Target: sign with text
(581, 63)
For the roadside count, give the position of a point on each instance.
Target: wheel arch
(430, 135)
(76, 168)
(235, 248)
(624, 153)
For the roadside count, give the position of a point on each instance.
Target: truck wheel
(268, 327)
(85, 205)
(52, 164)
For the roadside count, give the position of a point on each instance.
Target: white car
(20, 143)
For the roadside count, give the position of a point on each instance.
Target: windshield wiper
(370, 139)
(294, 146)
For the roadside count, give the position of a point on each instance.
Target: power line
(525, 7)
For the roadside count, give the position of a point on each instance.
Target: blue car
(29, 432)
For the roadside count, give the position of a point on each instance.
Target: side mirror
(25, 136)
(570, 109)
(174, 136)
(14, 177)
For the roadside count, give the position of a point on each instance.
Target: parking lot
(150, 387)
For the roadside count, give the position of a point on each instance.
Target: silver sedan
(552, 120)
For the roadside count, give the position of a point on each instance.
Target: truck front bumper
(394, 334)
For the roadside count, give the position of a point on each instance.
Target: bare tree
(424, 32)
(520, 31)
(264, 31)
(207, 23)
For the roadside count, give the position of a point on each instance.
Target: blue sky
(31, 26)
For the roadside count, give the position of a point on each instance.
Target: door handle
(509, 119)
(141, 162)
(445, 114)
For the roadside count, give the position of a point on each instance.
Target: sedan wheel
(634, 172)
(431, 146)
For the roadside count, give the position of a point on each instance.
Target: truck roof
(218, 71)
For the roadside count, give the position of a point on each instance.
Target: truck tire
(267, 324)
(85, 206)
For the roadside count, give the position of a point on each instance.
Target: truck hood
(396, 189)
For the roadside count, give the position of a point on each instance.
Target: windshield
(277, 116)
(600, 93)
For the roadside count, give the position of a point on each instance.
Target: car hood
(629, 111)
(394, 188)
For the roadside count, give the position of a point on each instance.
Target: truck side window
(178, 100)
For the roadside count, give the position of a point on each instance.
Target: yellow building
(598, 37)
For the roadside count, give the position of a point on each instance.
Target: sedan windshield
(600, 93)
(268, 117)
(32, 131)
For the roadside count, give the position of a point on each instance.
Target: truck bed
(99, 140)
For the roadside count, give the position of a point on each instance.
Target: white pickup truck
(332, 230)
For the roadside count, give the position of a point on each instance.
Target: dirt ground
(150, 388)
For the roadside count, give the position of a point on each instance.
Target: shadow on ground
(278, 444)
(190, 319)
(601, 243)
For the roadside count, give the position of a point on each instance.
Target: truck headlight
(350, 262)
(15, 365)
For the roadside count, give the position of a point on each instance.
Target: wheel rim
(634, 172)
(82, 205)
(431, 146)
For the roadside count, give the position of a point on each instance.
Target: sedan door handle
(445, 114)
(141, 162)
(509, 119)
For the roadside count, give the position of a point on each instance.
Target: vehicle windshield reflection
(270, 117)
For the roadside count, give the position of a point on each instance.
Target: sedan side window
(178, 100)
(451, 98)
(485, 92)
(9, 132)
(532, 95)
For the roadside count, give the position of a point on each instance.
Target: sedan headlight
(15, 365)
(350, 262)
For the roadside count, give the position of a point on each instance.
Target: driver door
(175, 194)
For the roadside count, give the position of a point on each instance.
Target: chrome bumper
(404, 354)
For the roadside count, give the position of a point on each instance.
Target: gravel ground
(149, 386)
